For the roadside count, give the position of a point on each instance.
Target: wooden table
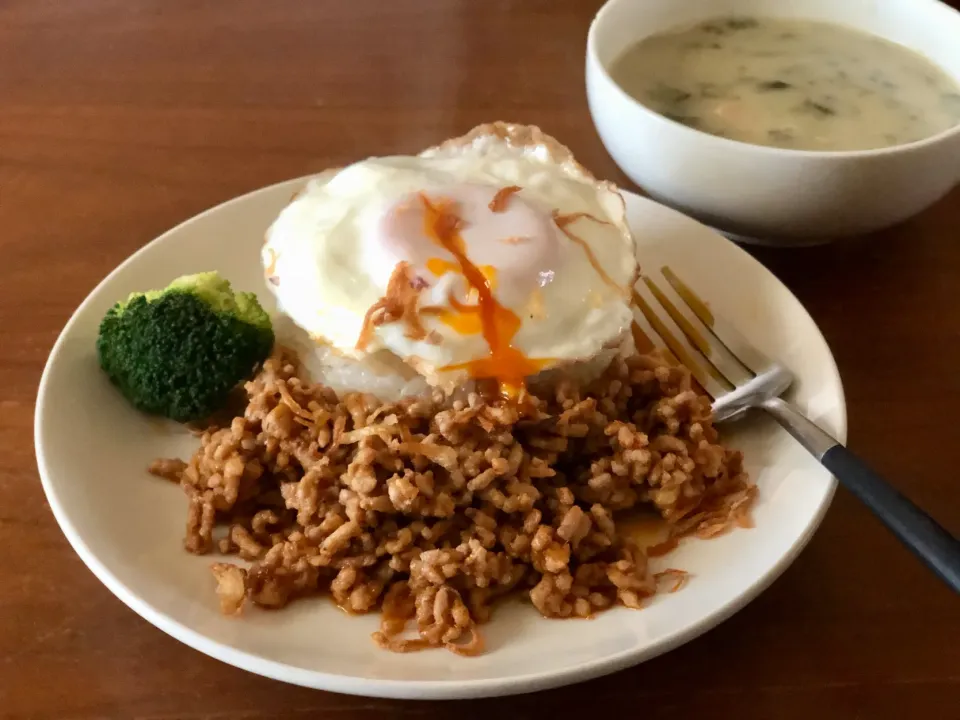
(120, 118)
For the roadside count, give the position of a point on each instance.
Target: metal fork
(738, 377)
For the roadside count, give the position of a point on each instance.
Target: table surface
(120, 118)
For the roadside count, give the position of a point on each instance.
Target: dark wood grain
(120, 118)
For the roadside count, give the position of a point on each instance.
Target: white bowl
(770, 194)
(93, 448)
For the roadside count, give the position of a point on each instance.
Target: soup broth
(795, 84)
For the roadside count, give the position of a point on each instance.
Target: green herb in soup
(790, 83)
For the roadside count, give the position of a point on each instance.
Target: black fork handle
(913, 527)
(918, 531)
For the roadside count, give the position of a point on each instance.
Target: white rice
(382, 374)
(375, 374)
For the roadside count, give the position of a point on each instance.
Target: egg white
(326, 273)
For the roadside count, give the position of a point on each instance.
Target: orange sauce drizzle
(439, 266)
(271, 270)
(272, 265)
(498, 324)
(500, 200)
(562, 221)
(464, 319)
(399, 304)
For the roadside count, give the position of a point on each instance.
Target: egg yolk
(487, 250)
(499, 324)
(516, 246)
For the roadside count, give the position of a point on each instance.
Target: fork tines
(717, 355)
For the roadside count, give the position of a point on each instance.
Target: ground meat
(432, 509)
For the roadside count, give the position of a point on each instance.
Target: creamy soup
(790, 83)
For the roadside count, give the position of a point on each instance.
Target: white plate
(92, 449)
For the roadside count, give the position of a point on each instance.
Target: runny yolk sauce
(498, 324)
(439, 266)
(464, 319)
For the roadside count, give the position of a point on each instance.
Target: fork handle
(918, 531)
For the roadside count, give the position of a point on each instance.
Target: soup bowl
(766, 194)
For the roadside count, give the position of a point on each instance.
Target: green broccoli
(179, 352)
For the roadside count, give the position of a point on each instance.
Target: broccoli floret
(179, 352)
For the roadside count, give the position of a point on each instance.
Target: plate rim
(409, 689)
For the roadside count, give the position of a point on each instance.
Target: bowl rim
(593, 60)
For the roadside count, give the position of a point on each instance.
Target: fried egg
(495, 255)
